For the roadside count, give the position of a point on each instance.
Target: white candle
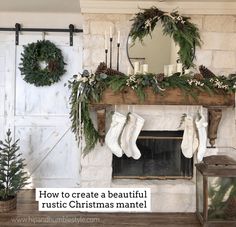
(145, 68)
(106, 40)
(171, 70)
(166, 70)
(110, 32)
(187, 71)
(129, 70)
(118, 37)
(136, 67)
(179, 67)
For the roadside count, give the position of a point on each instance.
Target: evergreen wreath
(43, 51)
(183, 32)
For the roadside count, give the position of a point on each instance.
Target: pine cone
(102, 68)
(206, 73)
(159, 77)
(112, 72)
(198, 76)
(230, 209)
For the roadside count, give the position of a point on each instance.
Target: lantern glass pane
(200, 193)
(222, 198)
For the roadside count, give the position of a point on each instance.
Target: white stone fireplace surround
(167, 195)
(218, 53)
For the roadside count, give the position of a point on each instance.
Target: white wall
(57, 20)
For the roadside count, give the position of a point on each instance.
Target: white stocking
(138, 127)
(190, 141)
(202, 136)
(113, 134)
(126, 135)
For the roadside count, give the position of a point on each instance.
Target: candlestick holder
(118, 56)
(111, 52)
(106, 51)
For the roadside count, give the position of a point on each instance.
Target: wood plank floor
(27, 215)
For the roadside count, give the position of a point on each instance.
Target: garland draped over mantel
(184, 33)
(87, 88)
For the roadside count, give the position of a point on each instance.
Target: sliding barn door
(39, 116)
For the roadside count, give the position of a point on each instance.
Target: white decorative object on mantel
(145, 68)
(136, 67)
(171, 69)
(187, 71)
(118, 37)
(106, 41)
(130, 70)
(179, 67)
(111, 32)
(166, 70)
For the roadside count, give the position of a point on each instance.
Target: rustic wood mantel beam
(214, 103)
(214, 117)
(101, 121)
(172, 96)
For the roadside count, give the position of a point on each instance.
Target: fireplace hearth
(161, 158)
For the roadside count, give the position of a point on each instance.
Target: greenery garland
(89, 87)
(46, 52)
(84, 88)
(183, 32)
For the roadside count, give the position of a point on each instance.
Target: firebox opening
(161, 158)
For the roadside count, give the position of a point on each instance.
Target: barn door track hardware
(18, 29)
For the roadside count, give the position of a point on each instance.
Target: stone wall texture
(218, 53)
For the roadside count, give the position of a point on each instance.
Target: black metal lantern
(216, 190)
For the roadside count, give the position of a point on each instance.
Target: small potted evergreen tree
(12, 174)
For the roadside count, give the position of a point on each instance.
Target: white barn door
(39, 117)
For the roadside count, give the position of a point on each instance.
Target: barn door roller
(71, 30)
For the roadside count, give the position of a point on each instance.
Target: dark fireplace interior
(161, 158)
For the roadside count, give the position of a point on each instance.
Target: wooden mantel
(169, 97)
(214, 103)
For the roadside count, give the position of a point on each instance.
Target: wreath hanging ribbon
(42, 63)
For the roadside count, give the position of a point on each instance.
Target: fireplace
(161, 158)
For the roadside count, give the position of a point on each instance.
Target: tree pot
(7, 205)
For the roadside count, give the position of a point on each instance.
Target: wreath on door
(42, 63)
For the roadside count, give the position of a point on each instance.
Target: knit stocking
(138, 126)
(113, 134)
(202, 136)
(126, 135)
(190, 142)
